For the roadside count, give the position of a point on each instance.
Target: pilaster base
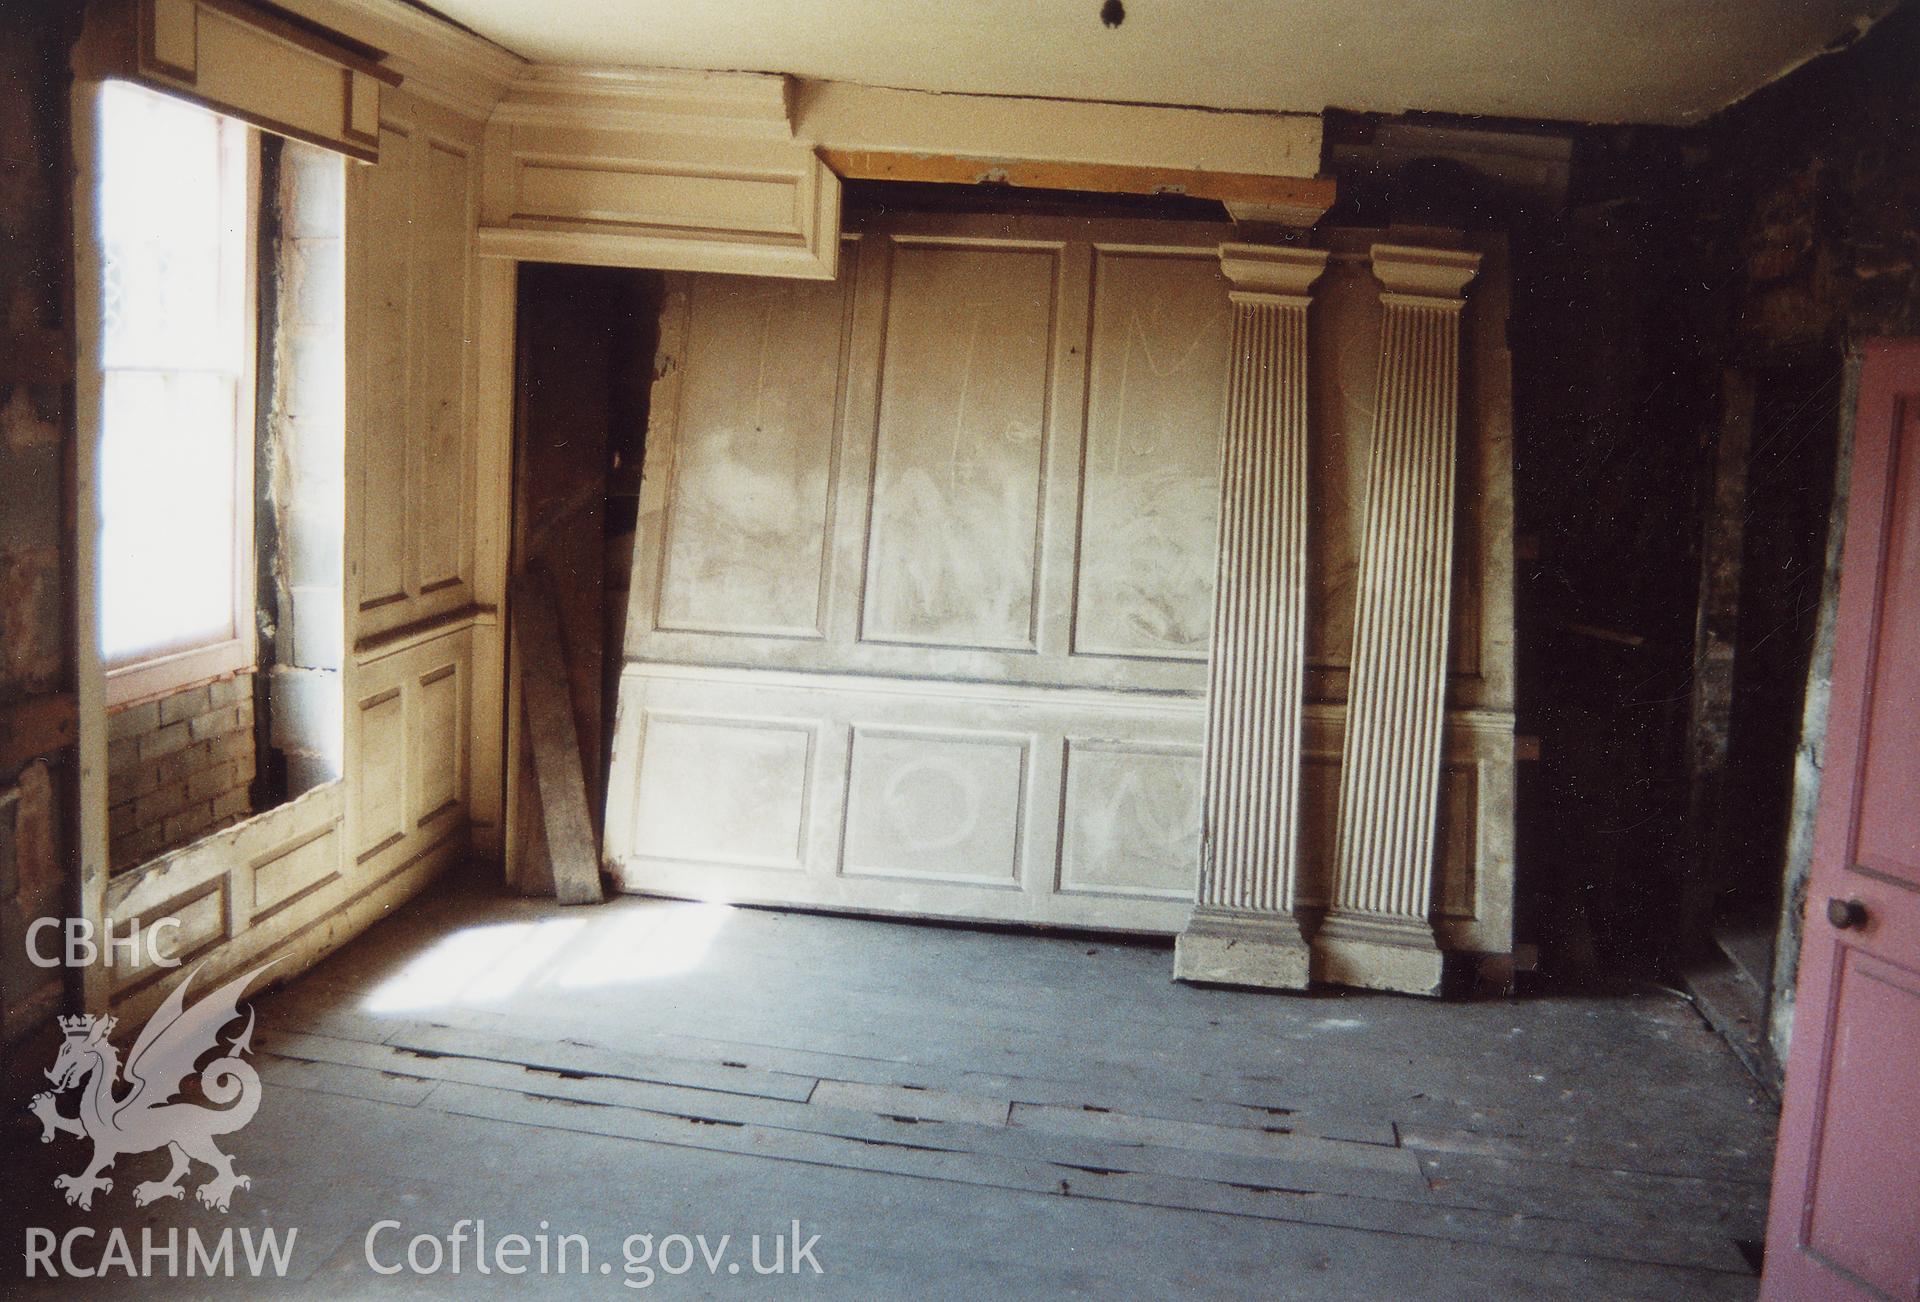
(1378, 954)
(1231, 947)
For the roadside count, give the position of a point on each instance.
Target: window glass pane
(167, 493)
(171, 206)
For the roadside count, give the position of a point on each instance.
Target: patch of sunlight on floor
(645, 946)
(490, 964)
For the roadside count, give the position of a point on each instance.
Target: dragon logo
(149, 1115)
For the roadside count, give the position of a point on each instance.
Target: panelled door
(1845, 1216)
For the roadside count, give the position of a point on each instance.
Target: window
(177, 346)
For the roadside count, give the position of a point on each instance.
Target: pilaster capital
(1271, 273)
(1423, 277)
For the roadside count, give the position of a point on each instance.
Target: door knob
(1846, 914)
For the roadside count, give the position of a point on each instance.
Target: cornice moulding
(665, 100)
(440, 62)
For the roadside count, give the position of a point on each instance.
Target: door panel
(1886, 835)
(1845, 1217)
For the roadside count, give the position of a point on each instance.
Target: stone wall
(1802, 202)
(38, 764)
(1802, 207)
(301, 462)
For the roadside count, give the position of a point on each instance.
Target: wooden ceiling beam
(1289, 200)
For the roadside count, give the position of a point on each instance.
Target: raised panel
(944, 806)
(1456, 845)
(753, 467)
(439, 749)
(292, 872)
(1467, 616)
(380, 444)
(198, 922)
(1860, 1195)
(1886, 836)
(723, 790)
(237, 63)
(959, 453)
(437, 419)
(1319, 826)
(660, 197)
(1157, 348)
(1130, 819)
(380, 772)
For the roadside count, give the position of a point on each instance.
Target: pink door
(1845, 1218)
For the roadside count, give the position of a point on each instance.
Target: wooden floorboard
(1055, 1088)
(954, 1056)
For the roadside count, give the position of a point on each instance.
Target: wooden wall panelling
(407, 742)
(90, 700)
(493, 490)
(253, 65)
(851, 415)
(960, 446)
(751, 496)
(1002, 802)
(657, 168)
(381, 289)
(412, 504)
(856, 423)
(1156, 344)
(1096, 609)
(872, 621)
(1061, 490)
(441, 63)
(279, 886)
(1484, 679)
(221, 887)
(440, 469)
(290, 883)
(1130, 817)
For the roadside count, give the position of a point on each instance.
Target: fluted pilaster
(1378, 932)
(1243, 930)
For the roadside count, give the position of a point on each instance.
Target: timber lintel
(1289, 200)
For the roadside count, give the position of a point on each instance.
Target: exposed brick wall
(178, 768)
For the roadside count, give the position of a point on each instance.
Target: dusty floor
(953, 1113)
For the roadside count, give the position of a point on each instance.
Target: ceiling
(1663, 61)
